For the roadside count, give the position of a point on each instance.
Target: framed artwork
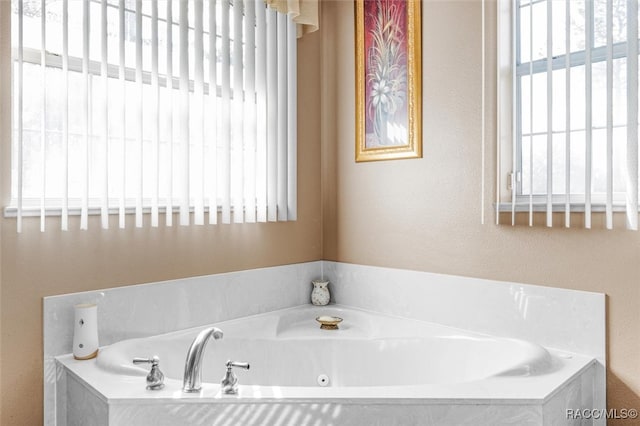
(388, 80)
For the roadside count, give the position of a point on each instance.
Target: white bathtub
(430, 373)
(288, 348)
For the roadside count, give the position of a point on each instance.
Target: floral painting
(386, 72)
(388, 64)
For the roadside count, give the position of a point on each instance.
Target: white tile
(149, 309)
(557, 318)
(84, 408)
(326, 414)
(567, 320)
(155, 308)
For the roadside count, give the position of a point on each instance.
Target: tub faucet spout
(192, 381)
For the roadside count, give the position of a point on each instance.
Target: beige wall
(56, 262)
(419, 214)
(425, 214)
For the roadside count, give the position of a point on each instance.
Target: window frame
(509, 123)
(31, 206)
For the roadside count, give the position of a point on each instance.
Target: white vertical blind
(483, 117)
(104, 117)
(575, 84)
(123, 115)
(514, 128)
(567, 123)
(139, 177)
(155, 126)
(282, 116)
(183, 183)
(261, 112)
(64, 222)
(85, 119)
(588, 34)
(250, 111)
(43, 114)
(272, 116)
(213, 120)
(609, 201)
(198, 115)
(549, 113)
(531, 120)
(225, 161)
(168, 102)
(631, 196)
(237, 154)
(505, 50)
(181, 109)
(20, 115)
(292, 121)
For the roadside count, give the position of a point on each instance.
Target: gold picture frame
(388, 80)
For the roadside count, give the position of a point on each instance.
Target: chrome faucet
(192, 381)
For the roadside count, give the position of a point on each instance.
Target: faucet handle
(155, 378)
(154, 360)
(243, 365)
(229, 382)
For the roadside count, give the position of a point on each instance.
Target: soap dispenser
(85, 331)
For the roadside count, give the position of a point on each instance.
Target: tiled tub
(376, 369)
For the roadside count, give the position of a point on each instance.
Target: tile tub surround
(568, 320)
(103, 395)
(156, 308)
(210, 408)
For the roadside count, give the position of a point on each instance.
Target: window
(570, 106)
(161, 107)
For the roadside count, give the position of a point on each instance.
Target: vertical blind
(162, 107)
(573, 78)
